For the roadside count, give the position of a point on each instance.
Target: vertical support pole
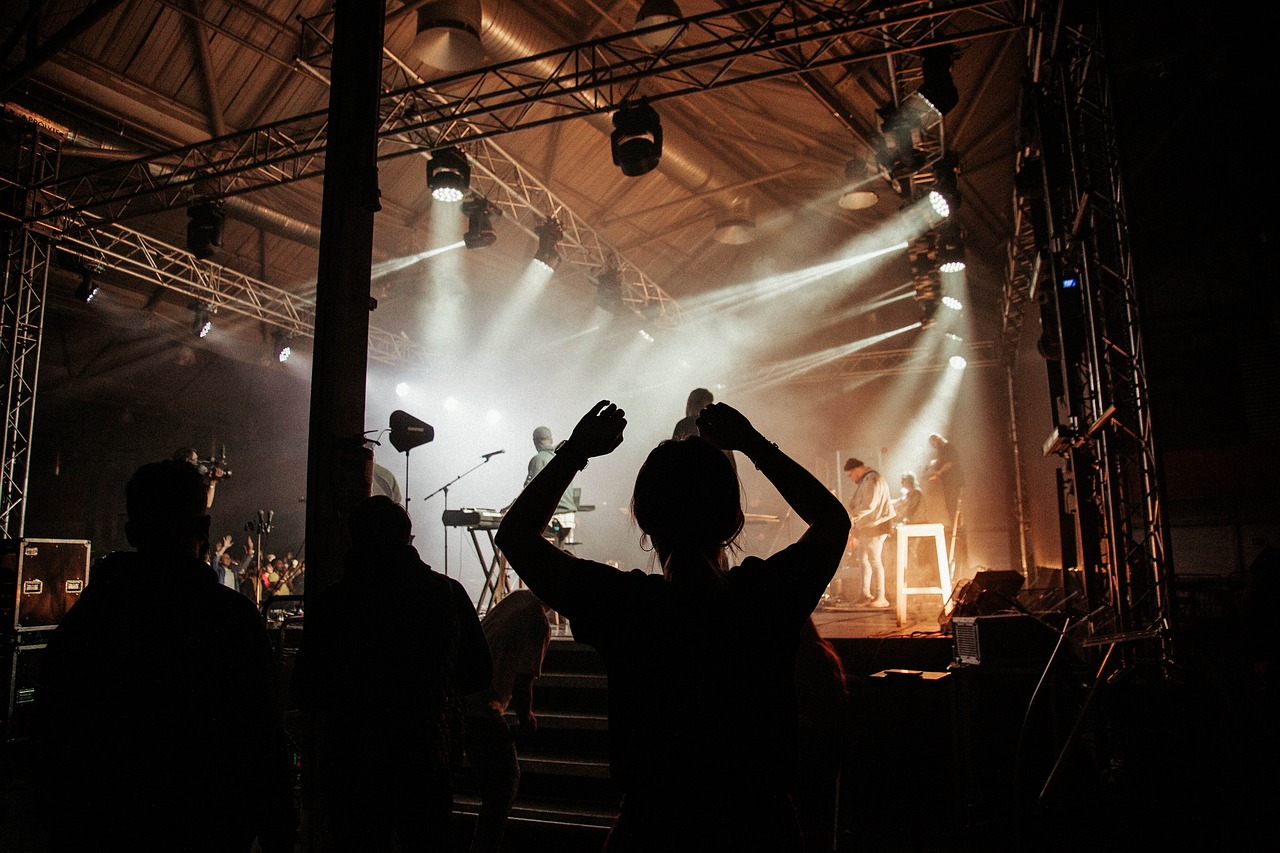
(337, 459)
(32, 148)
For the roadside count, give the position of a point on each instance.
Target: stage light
(952, 303)
(654, 13)
(737, 225)
(646, 336)
(451, 404)
(637, 138)
(282, 345)
(448, 35)
(402, 389)
(938, 87)
(951, 249)
(549, 234)
(957, 362)
(87, 289)
(205, 225)
(479, 213)
(609, 290)
(202, 322)
(945, 183)
(448, 175)
(855, 197)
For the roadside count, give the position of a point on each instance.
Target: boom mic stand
(445, 490)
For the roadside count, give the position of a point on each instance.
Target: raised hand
(600, 430)
(727, 428)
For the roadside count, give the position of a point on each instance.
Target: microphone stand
(445, 490)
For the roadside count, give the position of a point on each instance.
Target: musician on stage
(564, 519)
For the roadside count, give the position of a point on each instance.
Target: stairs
(566, 800)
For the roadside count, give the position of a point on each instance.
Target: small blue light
(1069, 282)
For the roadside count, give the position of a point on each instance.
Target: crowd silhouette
(717, 678)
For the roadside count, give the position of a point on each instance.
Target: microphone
(487, 456)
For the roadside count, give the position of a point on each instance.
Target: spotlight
(448, 34)
(938, 87)
(448, 175)
(480, 231)
(951, 249)
(653, 13)
(952, 303)
(402, 389)
(855, 197)
(957, 362)
(204, 228)
(549, 234)
(945, 183)
(87, 289)
(737, 225)
(282, 348)
(939, 203)
(609, 290)
(202, 322)
(637, 138)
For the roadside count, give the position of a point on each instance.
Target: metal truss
(876, 363)
(1103, 424)
(156, 263)
(706, 52)
(32, 158)
(515, 193)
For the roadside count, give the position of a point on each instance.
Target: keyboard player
(564, 519)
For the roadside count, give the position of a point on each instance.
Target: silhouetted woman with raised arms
(702, 658)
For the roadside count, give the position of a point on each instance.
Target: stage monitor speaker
(1010, 640)
(40, 579)
(990, 591)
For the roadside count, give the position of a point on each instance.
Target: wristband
(574, 456)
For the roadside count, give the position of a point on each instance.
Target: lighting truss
(26, 254)
(711, 51)
(524, 200)
(156, 263)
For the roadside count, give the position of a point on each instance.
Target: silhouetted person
(701, 658)
(943, 473)
(699, 399)
(822, 697)
(518, 634)
(387, 653)
(157, 724)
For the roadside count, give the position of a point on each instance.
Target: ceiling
(150, 76)
(760, 117)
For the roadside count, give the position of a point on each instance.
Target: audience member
(822, 697)
(157, 726)
(386, 655)
(701, 658)
(518, 634)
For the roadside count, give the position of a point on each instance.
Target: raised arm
(727, 428)
(540, 564)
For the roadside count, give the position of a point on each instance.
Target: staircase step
(544, 811)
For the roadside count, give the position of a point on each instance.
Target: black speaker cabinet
(39, 581)
(1002, 640)
(21, 665)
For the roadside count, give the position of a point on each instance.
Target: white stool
(905, 532)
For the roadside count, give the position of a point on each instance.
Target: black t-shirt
(701, 683)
